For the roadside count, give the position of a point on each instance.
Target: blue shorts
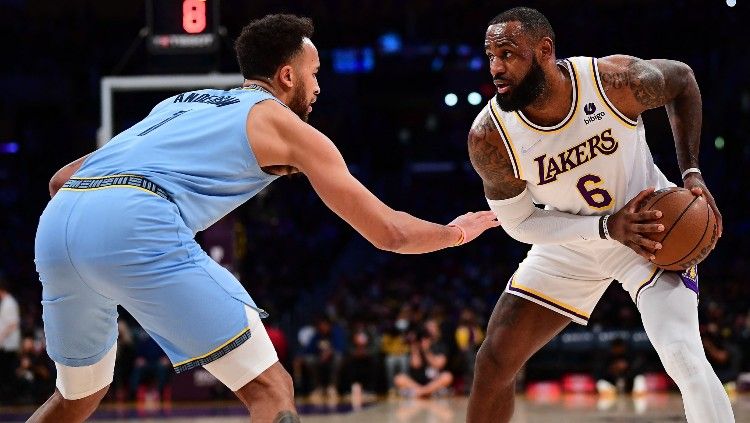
(101, 248)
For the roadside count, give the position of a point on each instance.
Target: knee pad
(680, 362)
(79, 382)
(243, 364)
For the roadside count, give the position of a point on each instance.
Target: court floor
(562, 409)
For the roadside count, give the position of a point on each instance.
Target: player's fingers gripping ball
(690, 228)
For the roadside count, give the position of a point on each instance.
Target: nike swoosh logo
(526, 149)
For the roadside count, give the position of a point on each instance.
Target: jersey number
(174, 115)
(591, 191)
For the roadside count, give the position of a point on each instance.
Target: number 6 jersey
(592, 162)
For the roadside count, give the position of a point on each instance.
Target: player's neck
(264, 85)
(555, 102)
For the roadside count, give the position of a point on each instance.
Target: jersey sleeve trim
(495, 113)
(600, 90)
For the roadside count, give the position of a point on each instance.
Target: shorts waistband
(101, 182)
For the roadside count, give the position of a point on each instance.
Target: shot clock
(182, 26)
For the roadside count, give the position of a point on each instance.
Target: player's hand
(473, 224)
(629, 226)
(695, 183)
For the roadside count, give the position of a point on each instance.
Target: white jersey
(591, 163)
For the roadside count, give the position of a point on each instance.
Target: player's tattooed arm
(634, 85)
(490, 159)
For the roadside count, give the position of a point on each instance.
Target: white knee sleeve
(244, 363)
(670, 317)
(681, 363)
(79, 382)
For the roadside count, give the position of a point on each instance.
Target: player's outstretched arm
(302, 146)
(635, 85)
(61, 176)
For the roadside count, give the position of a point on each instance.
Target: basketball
(690, 228)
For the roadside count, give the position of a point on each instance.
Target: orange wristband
(463, 235)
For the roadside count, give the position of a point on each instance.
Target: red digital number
(194, 16)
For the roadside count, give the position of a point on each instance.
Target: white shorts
(570, 279)
(235, 369)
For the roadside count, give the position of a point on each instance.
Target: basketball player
(119, 229)
(567, 134)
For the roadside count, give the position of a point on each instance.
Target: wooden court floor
(563, 409)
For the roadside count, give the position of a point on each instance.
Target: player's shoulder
(484, 115)
(615, 63)
(274, 122)
(272, 111)
(483, 126)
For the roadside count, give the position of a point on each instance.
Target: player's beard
(299, 104)
(526, 92)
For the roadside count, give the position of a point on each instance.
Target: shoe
(605, 388)
(639, 385)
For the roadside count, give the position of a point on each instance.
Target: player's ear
(546, 48)
(286, 76)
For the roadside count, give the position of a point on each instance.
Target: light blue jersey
(195, 146)
(121, 232)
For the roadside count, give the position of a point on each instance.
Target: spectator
(618, 367)
(360, 364)
(305, 336)
(469, 336)
(725, 357)
(10, 339)
(34, 374)
(322, 358)
(396, 348)
(427, 374)
(432, 327)
(151, 365)
(278, 339)
(123, 362)
(743, 338)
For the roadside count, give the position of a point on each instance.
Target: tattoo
(614, 80)
(286, 417)
(490, 160)
(646, 82)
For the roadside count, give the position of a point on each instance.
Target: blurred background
(401, 83)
